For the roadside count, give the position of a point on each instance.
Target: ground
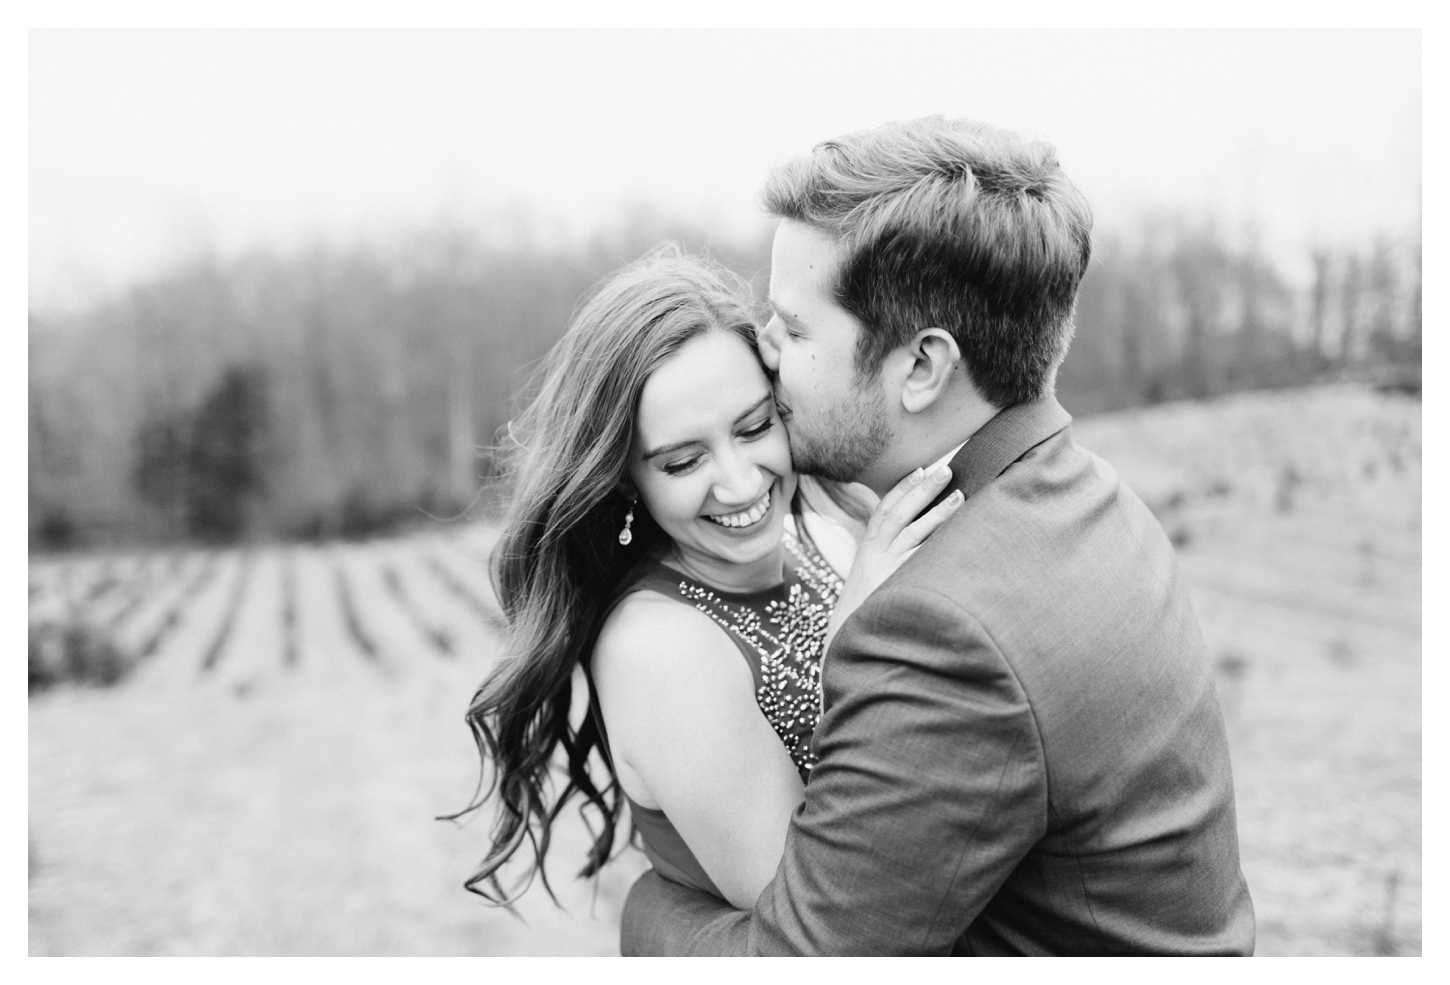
(267, 780)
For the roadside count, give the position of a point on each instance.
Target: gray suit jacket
(1022, 751)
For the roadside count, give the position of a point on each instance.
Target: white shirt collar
(947, 458)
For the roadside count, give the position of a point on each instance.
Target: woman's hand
(892, 534)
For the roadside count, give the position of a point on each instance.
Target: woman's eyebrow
(666, 449)
(676, 446)
(753, 408)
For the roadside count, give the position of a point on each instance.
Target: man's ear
(934, 357)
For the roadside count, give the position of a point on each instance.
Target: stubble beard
(847, 440)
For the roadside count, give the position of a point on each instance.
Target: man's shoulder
(1055, 545)
(1035, 514)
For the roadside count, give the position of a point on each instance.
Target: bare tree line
(1179, 312)
(335, 392)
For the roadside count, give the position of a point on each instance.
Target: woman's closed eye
(681, 467)
(758, 430)
(684, 466)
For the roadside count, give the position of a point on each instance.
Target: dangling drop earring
(624, 535)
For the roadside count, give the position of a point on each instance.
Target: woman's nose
(739, 481)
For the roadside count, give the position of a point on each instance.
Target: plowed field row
(244, 615)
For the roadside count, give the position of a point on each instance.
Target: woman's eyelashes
(687, 465)
(757, 430)
(680, 468)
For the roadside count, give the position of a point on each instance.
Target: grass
(1300, 514)
(284, 801)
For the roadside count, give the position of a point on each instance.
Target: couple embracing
(877, 659)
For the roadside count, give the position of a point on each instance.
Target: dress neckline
(725, 593)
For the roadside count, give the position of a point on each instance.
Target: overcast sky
(145, 146)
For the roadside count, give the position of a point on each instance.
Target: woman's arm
(688, 738)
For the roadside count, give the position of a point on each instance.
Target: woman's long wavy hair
(558, 563)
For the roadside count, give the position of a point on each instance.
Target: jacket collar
(1002, 440)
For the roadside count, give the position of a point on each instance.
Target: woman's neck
(730, 576)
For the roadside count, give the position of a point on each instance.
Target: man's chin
(845, 457)
(835, 475)
(817, 461)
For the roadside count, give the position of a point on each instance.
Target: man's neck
(912, 451)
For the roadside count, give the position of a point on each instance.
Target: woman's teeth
(746, 518)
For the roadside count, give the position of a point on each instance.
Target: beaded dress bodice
(780, 632)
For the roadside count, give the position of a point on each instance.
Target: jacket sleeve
(665, 918)
(929, 790)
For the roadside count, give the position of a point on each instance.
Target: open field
(1298, 517)
(265, 782)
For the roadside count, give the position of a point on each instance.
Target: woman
(647, 544)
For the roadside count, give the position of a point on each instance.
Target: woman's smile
(715, 475)
(746, 518)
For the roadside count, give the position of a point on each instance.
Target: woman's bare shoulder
(669, 679)
(649, 633)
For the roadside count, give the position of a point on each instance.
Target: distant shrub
(55, 532)
(75, 653)
(224, 459)
(1232, 664)
(363, 516)
(1288, 482)
(204, 469)
(1398, 379)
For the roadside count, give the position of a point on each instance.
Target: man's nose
(769, 341)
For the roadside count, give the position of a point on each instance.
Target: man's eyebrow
(666, 449)
(784, 315)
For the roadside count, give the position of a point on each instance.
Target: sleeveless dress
(779, 632)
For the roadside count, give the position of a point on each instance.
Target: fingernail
(942, 473)
(955, 499)
(917, 476)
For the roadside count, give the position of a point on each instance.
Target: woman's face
(711, 461)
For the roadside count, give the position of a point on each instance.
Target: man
(1021, 750)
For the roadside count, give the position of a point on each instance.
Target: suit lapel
(1003, 440)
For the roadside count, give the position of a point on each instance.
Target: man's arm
(663, 917)
(929, 790)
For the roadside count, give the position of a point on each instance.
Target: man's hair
(951, 224)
